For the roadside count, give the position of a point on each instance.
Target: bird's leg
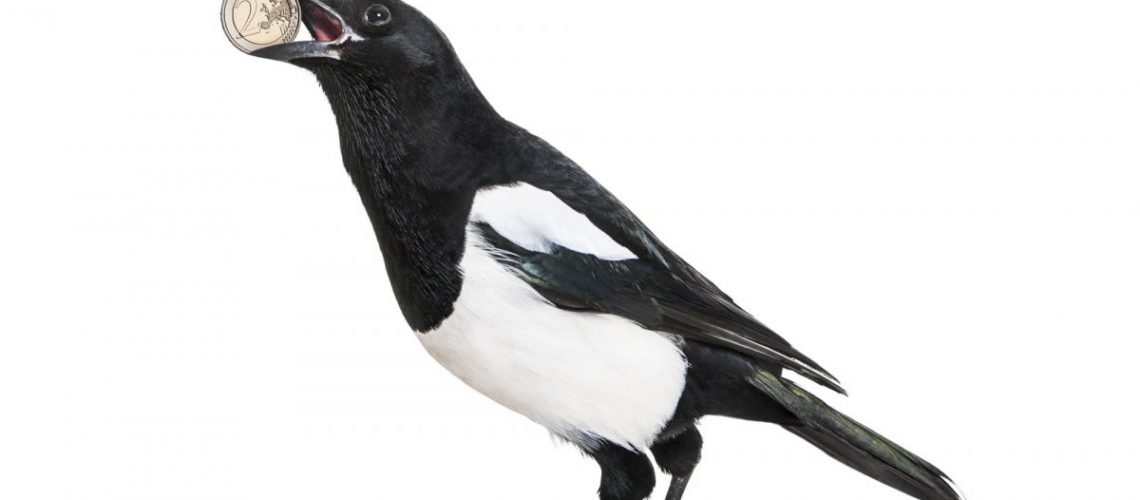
(677, 487)
(678, 456)
(626, 475)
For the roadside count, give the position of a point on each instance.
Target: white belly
(583, 376)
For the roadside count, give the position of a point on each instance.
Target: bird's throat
(417, 158)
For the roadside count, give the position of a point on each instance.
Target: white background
(937, 201)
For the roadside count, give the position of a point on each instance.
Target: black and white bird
(534, 285)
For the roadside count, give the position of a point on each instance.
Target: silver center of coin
(256, 24)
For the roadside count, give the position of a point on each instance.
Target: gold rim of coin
(257, 24)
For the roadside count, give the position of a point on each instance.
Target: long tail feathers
(855, 445)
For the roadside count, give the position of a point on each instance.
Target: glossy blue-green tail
(854, 444)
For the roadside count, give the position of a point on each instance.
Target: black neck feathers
(417, 148)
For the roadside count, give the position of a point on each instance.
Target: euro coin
(256, 24)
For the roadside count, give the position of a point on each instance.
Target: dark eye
(377, 15)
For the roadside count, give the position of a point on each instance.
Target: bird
(529, 281)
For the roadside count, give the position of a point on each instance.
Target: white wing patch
(537, 220)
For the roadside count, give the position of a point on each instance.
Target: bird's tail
(855, 445)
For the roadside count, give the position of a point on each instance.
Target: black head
(378, 34)
(385, 45)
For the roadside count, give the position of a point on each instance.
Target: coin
(256, 24)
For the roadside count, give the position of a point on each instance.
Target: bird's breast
(585, 376)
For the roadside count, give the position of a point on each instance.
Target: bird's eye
(377, 15)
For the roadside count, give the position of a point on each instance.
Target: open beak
(329, 31)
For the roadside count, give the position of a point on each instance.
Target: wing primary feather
(796, 364)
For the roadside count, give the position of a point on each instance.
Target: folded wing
(583, 250)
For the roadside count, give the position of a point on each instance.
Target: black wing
(658, 290)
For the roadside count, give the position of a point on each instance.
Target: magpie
(531, 283)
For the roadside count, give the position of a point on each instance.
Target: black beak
(330, 33)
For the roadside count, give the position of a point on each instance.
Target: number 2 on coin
(250, 13)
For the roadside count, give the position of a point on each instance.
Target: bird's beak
(330, 33)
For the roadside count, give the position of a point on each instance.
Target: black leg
(678, 456)
(626, 475)
(677, 487)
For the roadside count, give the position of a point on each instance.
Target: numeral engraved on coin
(249, 12)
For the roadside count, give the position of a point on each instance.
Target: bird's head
(380, 35)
